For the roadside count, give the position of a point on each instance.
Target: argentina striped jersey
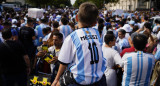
(65, 30)
(137, 68)
(82, 50)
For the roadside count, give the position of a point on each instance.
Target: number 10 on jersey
(94, 53)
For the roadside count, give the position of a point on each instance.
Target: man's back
(26, 34)
(137, 68)
(65, 30)
(12, 61)
(84, 54)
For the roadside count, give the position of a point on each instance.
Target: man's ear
(77, 18)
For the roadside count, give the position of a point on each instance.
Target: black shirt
(12, 60)
(25, 36)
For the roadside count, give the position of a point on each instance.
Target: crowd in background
(39, 37)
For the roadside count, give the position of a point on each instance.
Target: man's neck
(106, 45)
(80, 25)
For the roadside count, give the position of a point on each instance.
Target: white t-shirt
(137, 68)
(82, 50)
(113, 58)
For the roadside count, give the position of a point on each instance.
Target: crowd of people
(80, 47)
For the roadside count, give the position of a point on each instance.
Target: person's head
(64, 21)
(100, 21)
(6, 33)
(48, 29)
(14, 21)
(157, 21)
(110, 39)
(44, 20)
(121, 33)
(30, 22)
(22, 20)
(71, 24)
(57, 38)
(45, 31)
(148, 25)
(55, 24)
(146, 18)
(135, 28)
(110, 32)
(139, 42)
(87, 15)
(121, 24)
(7, 24)
(100, 28)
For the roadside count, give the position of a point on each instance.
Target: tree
(99, 3)
(55, 3)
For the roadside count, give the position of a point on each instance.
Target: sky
(72, 1)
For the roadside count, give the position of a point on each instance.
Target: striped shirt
(137, 68)
(82, 50)
(65, 30)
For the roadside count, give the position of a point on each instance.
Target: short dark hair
(7, 23)
(60, 36)
(100, 28)
(108, 38)
(157, 21)
(121, 23)
(122, 31)
(44, 20)
(148, 26)
(87, 14)
(146, 18)
(45, 30)
(110, 32)
(6, 33)
(140, 41)
(48, 29)
(100, 21)
(64, 21)
(29, 20)
(55, 24)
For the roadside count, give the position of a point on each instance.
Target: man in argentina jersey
(64, 28)
(81, 52)
(137, 65)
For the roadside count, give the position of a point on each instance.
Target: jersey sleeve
(66, 53)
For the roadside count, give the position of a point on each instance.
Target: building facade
(131, 5)
(19, 1)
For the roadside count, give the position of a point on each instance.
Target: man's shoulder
(129, 54)
(149, 54)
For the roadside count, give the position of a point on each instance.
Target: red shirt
(127, 50)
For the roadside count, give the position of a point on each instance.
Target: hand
(54, 83)
(54, 59)
(40, 54)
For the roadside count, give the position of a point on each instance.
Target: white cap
(14, 21)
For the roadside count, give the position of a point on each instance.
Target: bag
(155, 81)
